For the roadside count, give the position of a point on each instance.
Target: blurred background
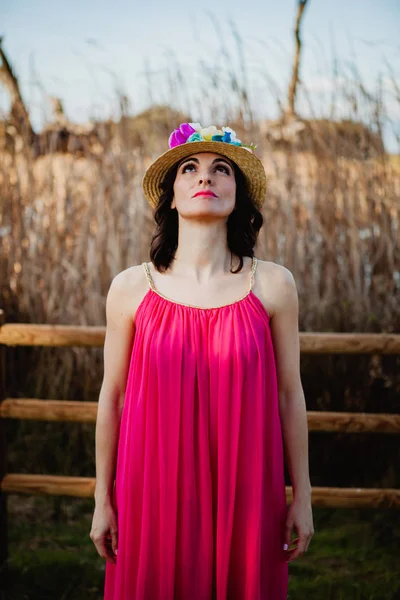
(89, 93)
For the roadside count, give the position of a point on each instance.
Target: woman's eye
(186, 166)
(224, 168)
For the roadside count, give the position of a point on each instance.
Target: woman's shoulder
(275, 283)
(270, 268)
(128, 278)
(128, 288)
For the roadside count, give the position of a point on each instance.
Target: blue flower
(195, 137)
(217, 138)
(227, 138)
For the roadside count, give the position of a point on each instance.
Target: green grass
(352, 555)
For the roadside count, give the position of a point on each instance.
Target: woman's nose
(208, 178)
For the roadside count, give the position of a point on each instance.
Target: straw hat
(192, 138)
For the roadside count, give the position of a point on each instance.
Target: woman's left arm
(292, 408)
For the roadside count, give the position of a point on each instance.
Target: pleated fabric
(200, 490)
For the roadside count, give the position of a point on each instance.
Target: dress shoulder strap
(253, 273)
(152, 286)
(148, 276)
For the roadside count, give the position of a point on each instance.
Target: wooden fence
(85, 412)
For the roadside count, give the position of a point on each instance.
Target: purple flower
(180, 135)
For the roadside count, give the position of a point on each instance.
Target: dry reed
(70, 221)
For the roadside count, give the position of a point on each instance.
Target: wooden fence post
(3, 458)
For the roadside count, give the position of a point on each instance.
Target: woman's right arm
(117, 349)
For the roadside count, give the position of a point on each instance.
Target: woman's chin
(207, 206)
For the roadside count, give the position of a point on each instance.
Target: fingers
(288, 534)
(308, 541)
(114, 541)
(300, 547)
(104, 531)
(298, 517)
(107, 551)
(296, 551)
(104, 547)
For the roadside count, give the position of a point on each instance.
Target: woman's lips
(207, 194)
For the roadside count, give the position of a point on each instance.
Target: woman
(202, 396)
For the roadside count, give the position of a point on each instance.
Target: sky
(84, 52)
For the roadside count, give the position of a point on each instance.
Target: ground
(352, 555)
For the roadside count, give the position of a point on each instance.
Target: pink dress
(200, 490)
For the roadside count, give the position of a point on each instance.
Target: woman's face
(205, 172)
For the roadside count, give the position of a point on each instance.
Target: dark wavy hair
(243, 224)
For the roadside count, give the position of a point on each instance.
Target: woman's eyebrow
(197, 160)
(187, 160)
(221, 160)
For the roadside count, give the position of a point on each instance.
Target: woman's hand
(104, 532)
(299, 516)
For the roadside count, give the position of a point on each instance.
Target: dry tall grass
(70, 221)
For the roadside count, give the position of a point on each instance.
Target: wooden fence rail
(86, 412)
(83, 487)
(21, 334)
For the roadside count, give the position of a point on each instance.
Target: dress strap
(148, 276)
(153, 287)
(253, 272)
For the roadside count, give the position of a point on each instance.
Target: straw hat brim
(248, 163)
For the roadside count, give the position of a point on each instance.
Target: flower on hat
(209, 132)
(194, 132)
(179, 136)
(233, 134)
(227, 137)
(195, 137)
